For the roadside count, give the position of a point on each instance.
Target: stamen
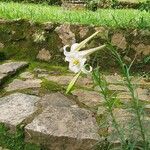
(76, 62)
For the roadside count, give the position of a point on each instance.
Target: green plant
(144, 6)
(14, 141)
(136, 107)
(110, 101)
(102, 17)
(132, 137)
(49, 2)
(92, 5)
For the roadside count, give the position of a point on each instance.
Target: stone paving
(10, 68)
(53, 119)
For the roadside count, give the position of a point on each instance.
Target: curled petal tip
(87, 71)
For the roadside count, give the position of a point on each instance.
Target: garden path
(36, 100)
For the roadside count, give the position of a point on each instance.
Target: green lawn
(132, 1)
(105, 17)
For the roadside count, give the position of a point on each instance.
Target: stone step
(18, 84)
(16, 108)
(53, 121)
(64, 127)
(10, 68)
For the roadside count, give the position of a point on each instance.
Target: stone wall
(21, 39)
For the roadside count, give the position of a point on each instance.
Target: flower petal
(84, 70)
(73, 47)
(86, 53)
(74, 68)
(65, 50)
(82, 44)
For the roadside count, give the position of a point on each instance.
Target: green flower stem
(104, 91)
(135, 99)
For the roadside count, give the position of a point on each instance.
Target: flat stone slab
(114, 79)
(127, 121)
(15, 108)
(64, 127)
(18, 84)
(114, 87)
(142, 94)
(10, 68)
(89, 98)
(27, 75)
(57, 99)
(142, 82)
(65, 80)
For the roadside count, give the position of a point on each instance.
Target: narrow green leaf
(72, 83)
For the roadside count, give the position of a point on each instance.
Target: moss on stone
(50, 86)
(14, 141)
(48, 67)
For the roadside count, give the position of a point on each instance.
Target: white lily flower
(77, 59)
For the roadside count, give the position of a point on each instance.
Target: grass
(132, 1)
(48, 67)
(14, 141)
(102, 17)
(50, 86)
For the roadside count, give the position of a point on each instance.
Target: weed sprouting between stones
(136, 126)
(15, 141)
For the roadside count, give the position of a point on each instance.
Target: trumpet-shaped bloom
(77, 59)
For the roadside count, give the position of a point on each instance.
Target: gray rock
(57, 99)
(12, 67)
(140, 81)
(128, 125)
(89, 98)
(18, 84)
(65, 34)
(44, 55)
(101, 110)
(65, 80)
(84, 30)
(2, 77)
(114, 87)
(63, 127)
(125, 97)
(147, 109)
(119, 40)
(141, 94)
(15, 108)
(40, 71)
(118, 88)
(114, 79)
(125, 120)
(27, 75)
(142, 49)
